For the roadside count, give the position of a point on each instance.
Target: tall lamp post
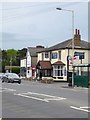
(72, 40)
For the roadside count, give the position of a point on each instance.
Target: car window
(11, 75)
(14, 76)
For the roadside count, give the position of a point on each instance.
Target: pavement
(64, 85)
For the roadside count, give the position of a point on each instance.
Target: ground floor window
(43, 73)
(58, 70)
(47, 73)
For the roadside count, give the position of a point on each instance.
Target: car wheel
(19, 82)
(8, 81)
(12, 81)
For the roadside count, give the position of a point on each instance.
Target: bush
(16, 70)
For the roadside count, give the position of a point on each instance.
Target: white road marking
(87, 107)
(81, 108)
(46, 95)
(38, 95)
(55, 99)
(6, 89)
(32, 97)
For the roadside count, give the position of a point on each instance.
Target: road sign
(80, 54)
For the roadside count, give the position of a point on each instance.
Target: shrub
(16, 70)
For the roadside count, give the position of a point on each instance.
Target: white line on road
(85, 107)
(54, 99)
(38, 95)
(32, 97)
(46, 95)
(81, 108)
(8, 89)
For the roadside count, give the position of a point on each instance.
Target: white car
(11, 78)
(1, 76)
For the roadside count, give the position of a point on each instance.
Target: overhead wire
(7, 19)
(29, 6)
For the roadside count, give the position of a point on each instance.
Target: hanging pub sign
(28, 59)
(80, 54)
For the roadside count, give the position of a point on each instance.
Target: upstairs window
(46, 55)
(54, 55)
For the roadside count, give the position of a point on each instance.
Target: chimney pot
(76, 31)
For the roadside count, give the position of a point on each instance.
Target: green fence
(81, 81)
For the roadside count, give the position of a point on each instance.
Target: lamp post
(72, 40)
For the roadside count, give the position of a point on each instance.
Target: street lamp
(72, 40)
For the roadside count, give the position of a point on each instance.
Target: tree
(4, 60)
(20, 54)
(11, 55)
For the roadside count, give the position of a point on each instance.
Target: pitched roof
(58, 63)
(33, 50)
(68, 44)
(45, 64)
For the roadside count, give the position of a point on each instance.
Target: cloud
(45, 1)
(18, 41)
(30, 26)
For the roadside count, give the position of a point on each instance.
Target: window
(54, 55)
(46, 55)
(47, 73)
(58, 70)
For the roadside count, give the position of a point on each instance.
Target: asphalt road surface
(32, 99)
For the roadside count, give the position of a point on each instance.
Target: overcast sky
(26, 24)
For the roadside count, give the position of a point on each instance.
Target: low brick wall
(49, 81)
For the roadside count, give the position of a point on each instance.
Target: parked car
(1, 76)
(11, 78)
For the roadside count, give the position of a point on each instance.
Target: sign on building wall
(28, 63)
(28, 59)
(80, 54)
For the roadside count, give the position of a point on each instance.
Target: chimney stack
(77, 38)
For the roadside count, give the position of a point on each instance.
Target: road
(32, 99)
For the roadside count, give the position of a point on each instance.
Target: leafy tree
(11, 55)
(4, 60)
(20, 54)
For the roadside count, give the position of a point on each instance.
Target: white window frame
(55, 70)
